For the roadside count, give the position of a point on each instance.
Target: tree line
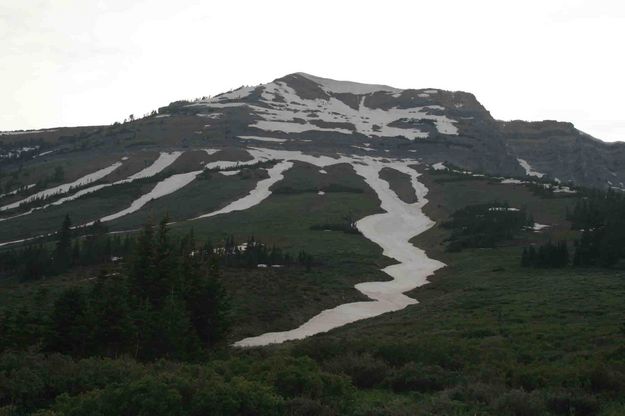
(485, 225)
(167, 303)
(600, 216)
(548, 255)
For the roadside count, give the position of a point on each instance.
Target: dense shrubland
(485, 225)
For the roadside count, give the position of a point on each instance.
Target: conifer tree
(68, 323)
(63, 251)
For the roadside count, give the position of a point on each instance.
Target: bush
(603, 379)
(364, 370)
(475, 393)
(435, 351)
(519, 403)
(572, 403)
(307, 407)
(421, 378)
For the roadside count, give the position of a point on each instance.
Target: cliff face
(561, 151)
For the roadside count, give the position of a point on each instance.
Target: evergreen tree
(68, 323)
(63, 251)
(110, 318)
(141, 264)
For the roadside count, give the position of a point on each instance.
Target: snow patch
(229, 172)
(164, 159)
(61, 189)
(529, 171)
(164, 187)
(263, 139)
(293, 114)
(539, 227)
(392, 230)
(257, 195)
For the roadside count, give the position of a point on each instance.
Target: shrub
(572, 403)
(519, 403)
(365, 370)
(422, 378)
(600, 378)
(306, 407)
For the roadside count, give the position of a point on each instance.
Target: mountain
(309, 112)
(410, 254)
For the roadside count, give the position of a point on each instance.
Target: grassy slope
(285, 220)
(493, 329)
(492, 324)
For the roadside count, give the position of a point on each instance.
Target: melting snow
(164, 187)
(539, 227)
(15, 133)
(512, 181)
(293, 114)
(163, 160)
(263, 139)
(61, 189)
(368, 149)
(229, 172)
(502, 209)
(439, 166)
(392, 230)
(256, 195)
(17, 190)
(529, 171)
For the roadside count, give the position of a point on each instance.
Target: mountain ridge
(432, 125)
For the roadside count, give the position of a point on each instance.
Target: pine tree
(177, 338)
(141, 264)
(164, 265)
(63, 251)
(68, 323)
(525, 258)
(110, 318)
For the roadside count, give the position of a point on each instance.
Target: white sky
(81, 62)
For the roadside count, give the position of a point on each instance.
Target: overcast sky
(81, 62)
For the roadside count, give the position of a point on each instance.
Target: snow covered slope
(300, 103)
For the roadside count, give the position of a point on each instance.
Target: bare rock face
(561, 151)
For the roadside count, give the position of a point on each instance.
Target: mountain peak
(346, 87)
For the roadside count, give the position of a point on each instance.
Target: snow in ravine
(283, 110)
(256, 195)
(172, 184)
(164, 160)
(164, 187)
(61, 189)
(392, 230)
(529, 171)
(229, 172)
(14, 192)
(439, 166)
(263, 139)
